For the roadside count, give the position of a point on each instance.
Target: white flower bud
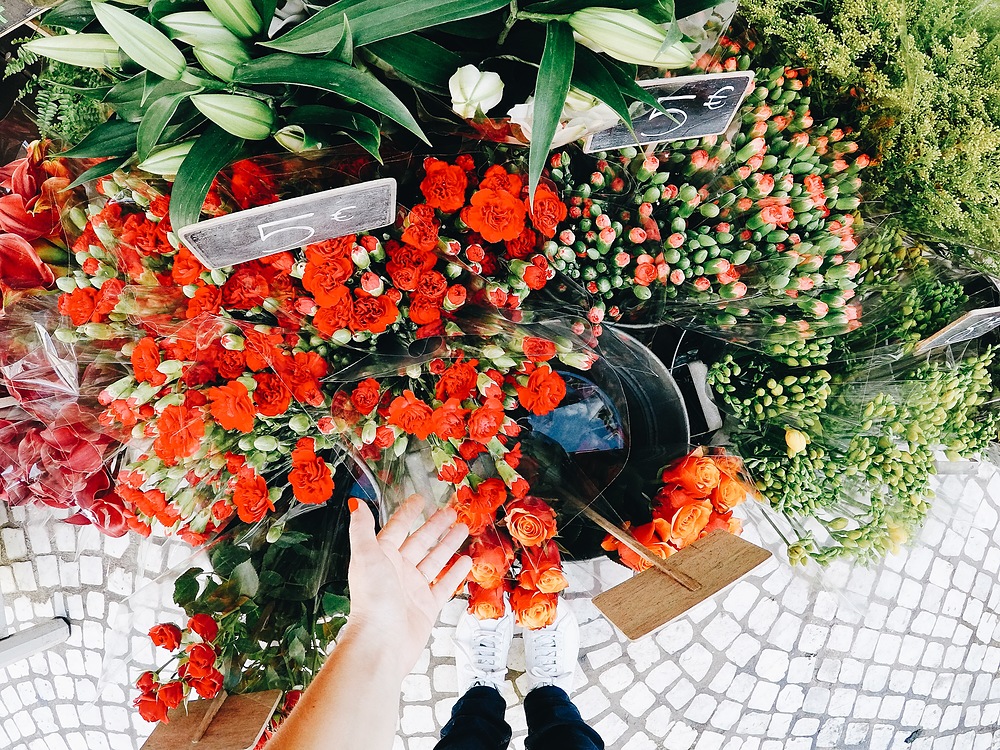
(629, 37)
(474, 91)
(368, 433)
(265, 443)
(413, 371)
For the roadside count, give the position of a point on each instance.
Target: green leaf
(297, 652)
(551, 88)
(329, 75)
(270, 579)
(265, 9)
(186, 587)
(624, 76)
(214, 150)
(685, 8)
(421, 62)
(344, 51)
(591, 76)
(375, 20)
(75, 15)
(245, 576)
(155, 121)
(160, 8)
(657, 11)
(226, 556)
(103, 169)
(336, 605)
(361, 129)
(112, 138)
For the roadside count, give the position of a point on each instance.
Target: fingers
(362, 529)
(439, 556)
(398, 528)
(421, 541)
(444, 588)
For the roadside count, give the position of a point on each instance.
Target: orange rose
(486, 603)
(496, 215)
(250, 496)
(311, 480)
(533, 609)
(145, 359)
(492, 554)
(444, 185)
(411, 415)
(231, 406)
(541, 569)
(688, 523)
(696, 474)
(476, 518)
(548, 211)
(543, 392)
(724, 521)
(531, 521)
(653, 536)
(728, 494)
(671, 499)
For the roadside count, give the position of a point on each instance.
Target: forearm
(352, 703)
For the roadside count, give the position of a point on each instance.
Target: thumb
(362, 528)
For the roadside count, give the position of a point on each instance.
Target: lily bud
(81, 50)
(221, 59)
(141, 41)
(473, 90)
(197, 27)
(239, 16)
(629, 37)
(167, 160)
(243, 116)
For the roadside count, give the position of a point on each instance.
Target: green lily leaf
(214, 150)
(362, 130)
(344, 51)
(142, 42)
(112, 138)
(624, 76)
(423, 63)
(591, 76)
(97, 171)
(375, 20)
(330, 75)
(75, 15)
(155, 121)
(551, 88)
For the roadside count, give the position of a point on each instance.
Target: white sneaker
(481, 648)
(551, 653)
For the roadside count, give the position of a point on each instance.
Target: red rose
(538, 349)
(246, 288)
(541, 569)
(271, 396)
(250, 496)
(204, 626)
(548, 211)
(645, 274)
(543, 392)
(366, 395)
(444, 185)
(486, 421)
(167, 636)
(458, 381)
(373, 314)
(151, 708)
(411, 415)
(448, 420)
(146, 683)
(487, 603)
(171, 694)
(208, 686)
(201, 660)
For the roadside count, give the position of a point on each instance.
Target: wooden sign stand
(225, 723)
(672, 586)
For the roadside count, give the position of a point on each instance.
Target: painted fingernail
(352, 504)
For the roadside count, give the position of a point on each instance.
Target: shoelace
(486, 647)
(545, 647)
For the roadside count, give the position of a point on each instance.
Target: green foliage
(61, 111)
(922, 82)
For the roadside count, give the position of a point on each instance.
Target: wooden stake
(213, 709)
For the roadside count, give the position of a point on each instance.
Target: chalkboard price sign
(698, 106)
(258, 232)
(13, 13)
(970, 326)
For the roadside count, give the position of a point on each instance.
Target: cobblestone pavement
(901, 656)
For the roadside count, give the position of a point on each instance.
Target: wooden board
(238, 725)
(15, 13)
(652, 598)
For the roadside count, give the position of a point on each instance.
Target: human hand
(400, 581)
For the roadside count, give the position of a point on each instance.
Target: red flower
(458, 381)
(531, 521)
(422, 228)
(250, 496)
(337, 314)
(324, 279)
(310, 477)
(201, 660)
(78, 305)
(432, 285)
(246, 288)
(271, 396)
(424, 310)
(524, 245)
(486, 421)
(498, 178)
(495, 215)
(301, 373)
(487, 603)
(179, 433)
(208, 686)
(444, 185)
(21, 268)
(145, 359)
(207, 300)
(541, 569)
(454, 471)
(548, 211)
(231, 406)
(146, 683)
(543, 392)
(171, 694)
(166, 636)
(205, 626)
(366, 395)
(373, 314)
(186, 268)
(411, 415)
(538, 349)
(151, 708)
(448, 420)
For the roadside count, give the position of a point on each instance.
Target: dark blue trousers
(554, 723)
